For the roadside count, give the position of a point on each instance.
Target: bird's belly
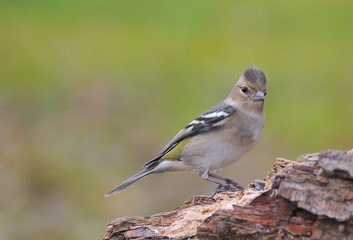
(214, 153)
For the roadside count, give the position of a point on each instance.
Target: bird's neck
(251, 108)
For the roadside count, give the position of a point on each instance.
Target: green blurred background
(91, 90)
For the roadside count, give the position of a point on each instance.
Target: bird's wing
(211, 119)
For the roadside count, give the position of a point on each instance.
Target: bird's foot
(229, 186)
(233, 183)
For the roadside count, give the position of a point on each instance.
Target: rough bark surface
(311, 198)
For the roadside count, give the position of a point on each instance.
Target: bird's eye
(244, 89)
(265, 93)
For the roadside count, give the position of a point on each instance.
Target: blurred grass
(91, 90)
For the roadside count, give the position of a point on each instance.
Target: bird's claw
(230, 182)
(229, 186)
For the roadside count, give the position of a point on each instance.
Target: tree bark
(311, 198)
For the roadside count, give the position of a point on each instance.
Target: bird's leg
(224, 184)
(206, 175)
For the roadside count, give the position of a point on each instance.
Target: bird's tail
(129, 181)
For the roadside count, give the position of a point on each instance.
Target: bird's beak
(258, 96)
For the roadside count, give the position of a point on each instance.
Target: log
(311, 198)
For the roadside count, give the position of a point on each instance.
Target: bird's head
(250, 90)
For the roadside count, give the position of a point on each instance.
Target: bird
(216, 138)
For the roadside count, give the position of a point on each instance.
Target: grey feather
(144, 173)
